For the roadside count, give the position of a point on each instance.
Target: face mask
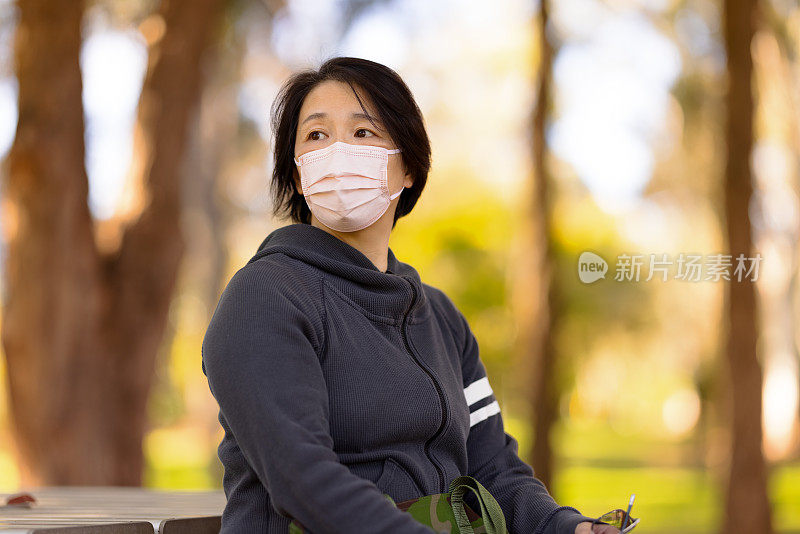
(346, 186)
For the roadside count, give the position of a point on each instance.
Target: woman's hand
(588, 528)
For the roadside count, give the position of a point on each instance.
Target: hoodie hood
(384, 294)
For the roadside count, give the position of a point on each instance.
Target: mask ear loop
(395, 151)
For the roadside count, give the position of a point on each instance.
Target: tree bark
(82, 325)
(53, 295)
(541, 324)
(747, 503)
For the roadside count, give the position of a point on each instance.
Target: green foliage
(462, 251)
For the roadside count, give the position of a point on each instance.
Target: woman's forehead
(334, 99)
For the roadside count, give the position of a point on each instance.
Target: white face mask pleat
(346, 186)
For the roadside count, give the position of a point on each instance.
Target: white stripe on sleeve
(480, 389)
(483, 413)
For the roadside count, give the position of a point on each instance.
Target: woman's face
(330, 113)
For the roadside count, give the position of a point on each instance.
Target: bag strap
(492, 514)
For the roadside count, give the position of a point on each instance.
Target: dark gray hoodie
(337, 382)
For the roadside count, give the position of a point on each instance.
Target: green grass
(597, 470)
(671, 499)
(667, 499)
(785, 497)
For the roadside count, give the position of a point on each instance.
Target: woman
(339, 374)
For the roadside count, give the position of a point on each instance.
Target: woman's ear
(408, 180)
(297, 184)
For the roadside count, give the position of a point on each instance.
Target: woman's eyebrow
(323, 115)
(318, 115)
(365, 116)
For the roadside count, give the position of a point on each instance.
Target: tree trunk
(747, 504)
(541, 350)
(53, 293)
(84, 322)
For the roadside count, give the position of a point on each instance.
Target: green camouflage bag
(447, 512)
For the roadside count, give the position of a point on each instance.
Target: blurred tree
(747, 505)
(690, 176)
(213, 145)
(224, 149)
(539, 320)
(83, 321)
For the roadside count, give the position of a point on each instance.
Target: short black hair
(395, 107)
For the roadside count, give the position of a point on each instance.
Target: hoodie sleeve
(260, 355)
(493, 459)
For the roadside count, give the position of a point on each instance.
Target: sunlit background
(637, 158)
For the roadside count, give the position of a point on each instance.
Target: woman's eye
(314, 135)
(363, 132)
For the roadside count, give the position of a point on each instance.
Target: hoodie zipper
(435, 383)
